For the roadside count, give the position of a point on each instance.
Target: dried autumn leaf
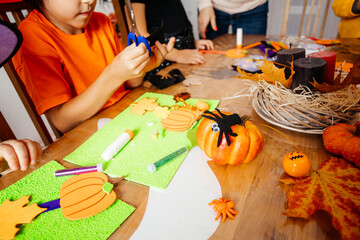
(270, 73)
(335, 188)
(353, 77)
(13, 213)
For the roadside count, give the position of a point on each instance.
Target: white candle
(239, 35)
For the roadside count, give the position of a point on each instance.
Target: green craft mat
(43, 187)
(133, 159)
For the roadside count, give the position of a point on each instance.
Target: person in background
(349, 11)
(150, 14)
(73, 64)
(215, 17)
(20, 153)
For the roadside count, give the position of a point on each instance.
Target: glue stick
(239, 36)
(152, 167)
(117, 145)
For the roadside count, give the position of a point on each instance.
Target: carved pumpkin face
(296, 164)
(83, 196)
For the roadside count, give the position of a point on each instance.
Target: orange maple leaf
(13, 213)
(270, 73)
(335, 188)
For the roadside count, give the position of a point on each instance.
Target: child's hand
(204, 44)
(20, 153)
(188, 56)
(130, 63)
(160, 51)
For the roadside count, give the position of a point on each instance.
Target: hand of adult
(206, 15)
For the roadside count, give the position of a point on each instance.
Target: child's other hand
(189, 56)
(204, 44)
(20, 153)
(159, 53)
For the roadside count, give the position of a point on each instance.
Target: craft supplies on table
(238, 52)
(117, 145)
(134, 158)
(74, 171)
(152, 167)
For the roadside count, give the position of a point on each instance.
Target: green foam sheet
(137, 154)
(44, 187)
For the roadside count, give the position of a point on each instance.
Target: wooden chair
(16, 10)
(121, 19)
(310, 22)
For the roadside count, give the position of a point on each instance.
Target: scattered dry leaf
(270, 73)
(335, 188)
(183, 96)
(353, 77)
(13, 213)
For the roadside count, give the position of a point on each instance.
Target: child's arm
(128, 67)
(20, 153)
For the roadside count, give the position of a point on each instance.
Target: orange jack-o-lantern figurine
(296, 164)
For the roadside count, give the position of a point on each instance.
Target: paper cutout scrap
(180, 120)
(15, 212)
(82, 196)
(143, 105)
(335, 188)
(162, 112)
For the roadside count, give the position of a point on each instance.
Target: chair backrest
(16, 10)
(312, 24)
(121, 19)
(5, 130)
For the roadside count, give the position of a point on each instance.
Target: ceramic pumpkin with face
(228, 139)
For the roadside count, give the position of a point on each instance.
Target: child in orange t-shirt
(73, 64)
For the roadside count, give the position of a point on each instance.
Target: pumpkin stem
(278, 132)
(244, 119)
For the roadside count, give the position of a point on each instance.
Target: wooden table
(254, 187)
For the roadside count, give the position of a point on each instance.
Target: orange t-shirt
(56, 66)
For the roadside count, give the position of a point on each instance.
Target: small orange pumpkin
(83, 196)
(296, 164)
(243, 148)
(180, 120)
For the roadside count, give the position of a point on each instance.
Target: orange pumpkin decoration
(296, 164)
(343, 140)
(180, 120)
(245, 140)
(83, 196)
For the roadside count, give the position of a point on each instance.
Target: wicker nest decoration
(306, 110)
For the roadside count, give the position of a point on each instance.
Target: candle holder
(306, 70)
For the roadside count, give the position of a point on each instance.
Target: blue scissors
(134, 35)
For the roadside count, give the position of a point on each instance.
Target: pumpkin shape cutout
(243, 148)
(83, 196)
(180, 120)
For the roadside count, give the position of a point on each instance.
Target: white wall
(15, 113)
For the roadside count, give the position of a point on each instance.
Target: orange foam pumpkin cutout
(180, 120)
(83, 196)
